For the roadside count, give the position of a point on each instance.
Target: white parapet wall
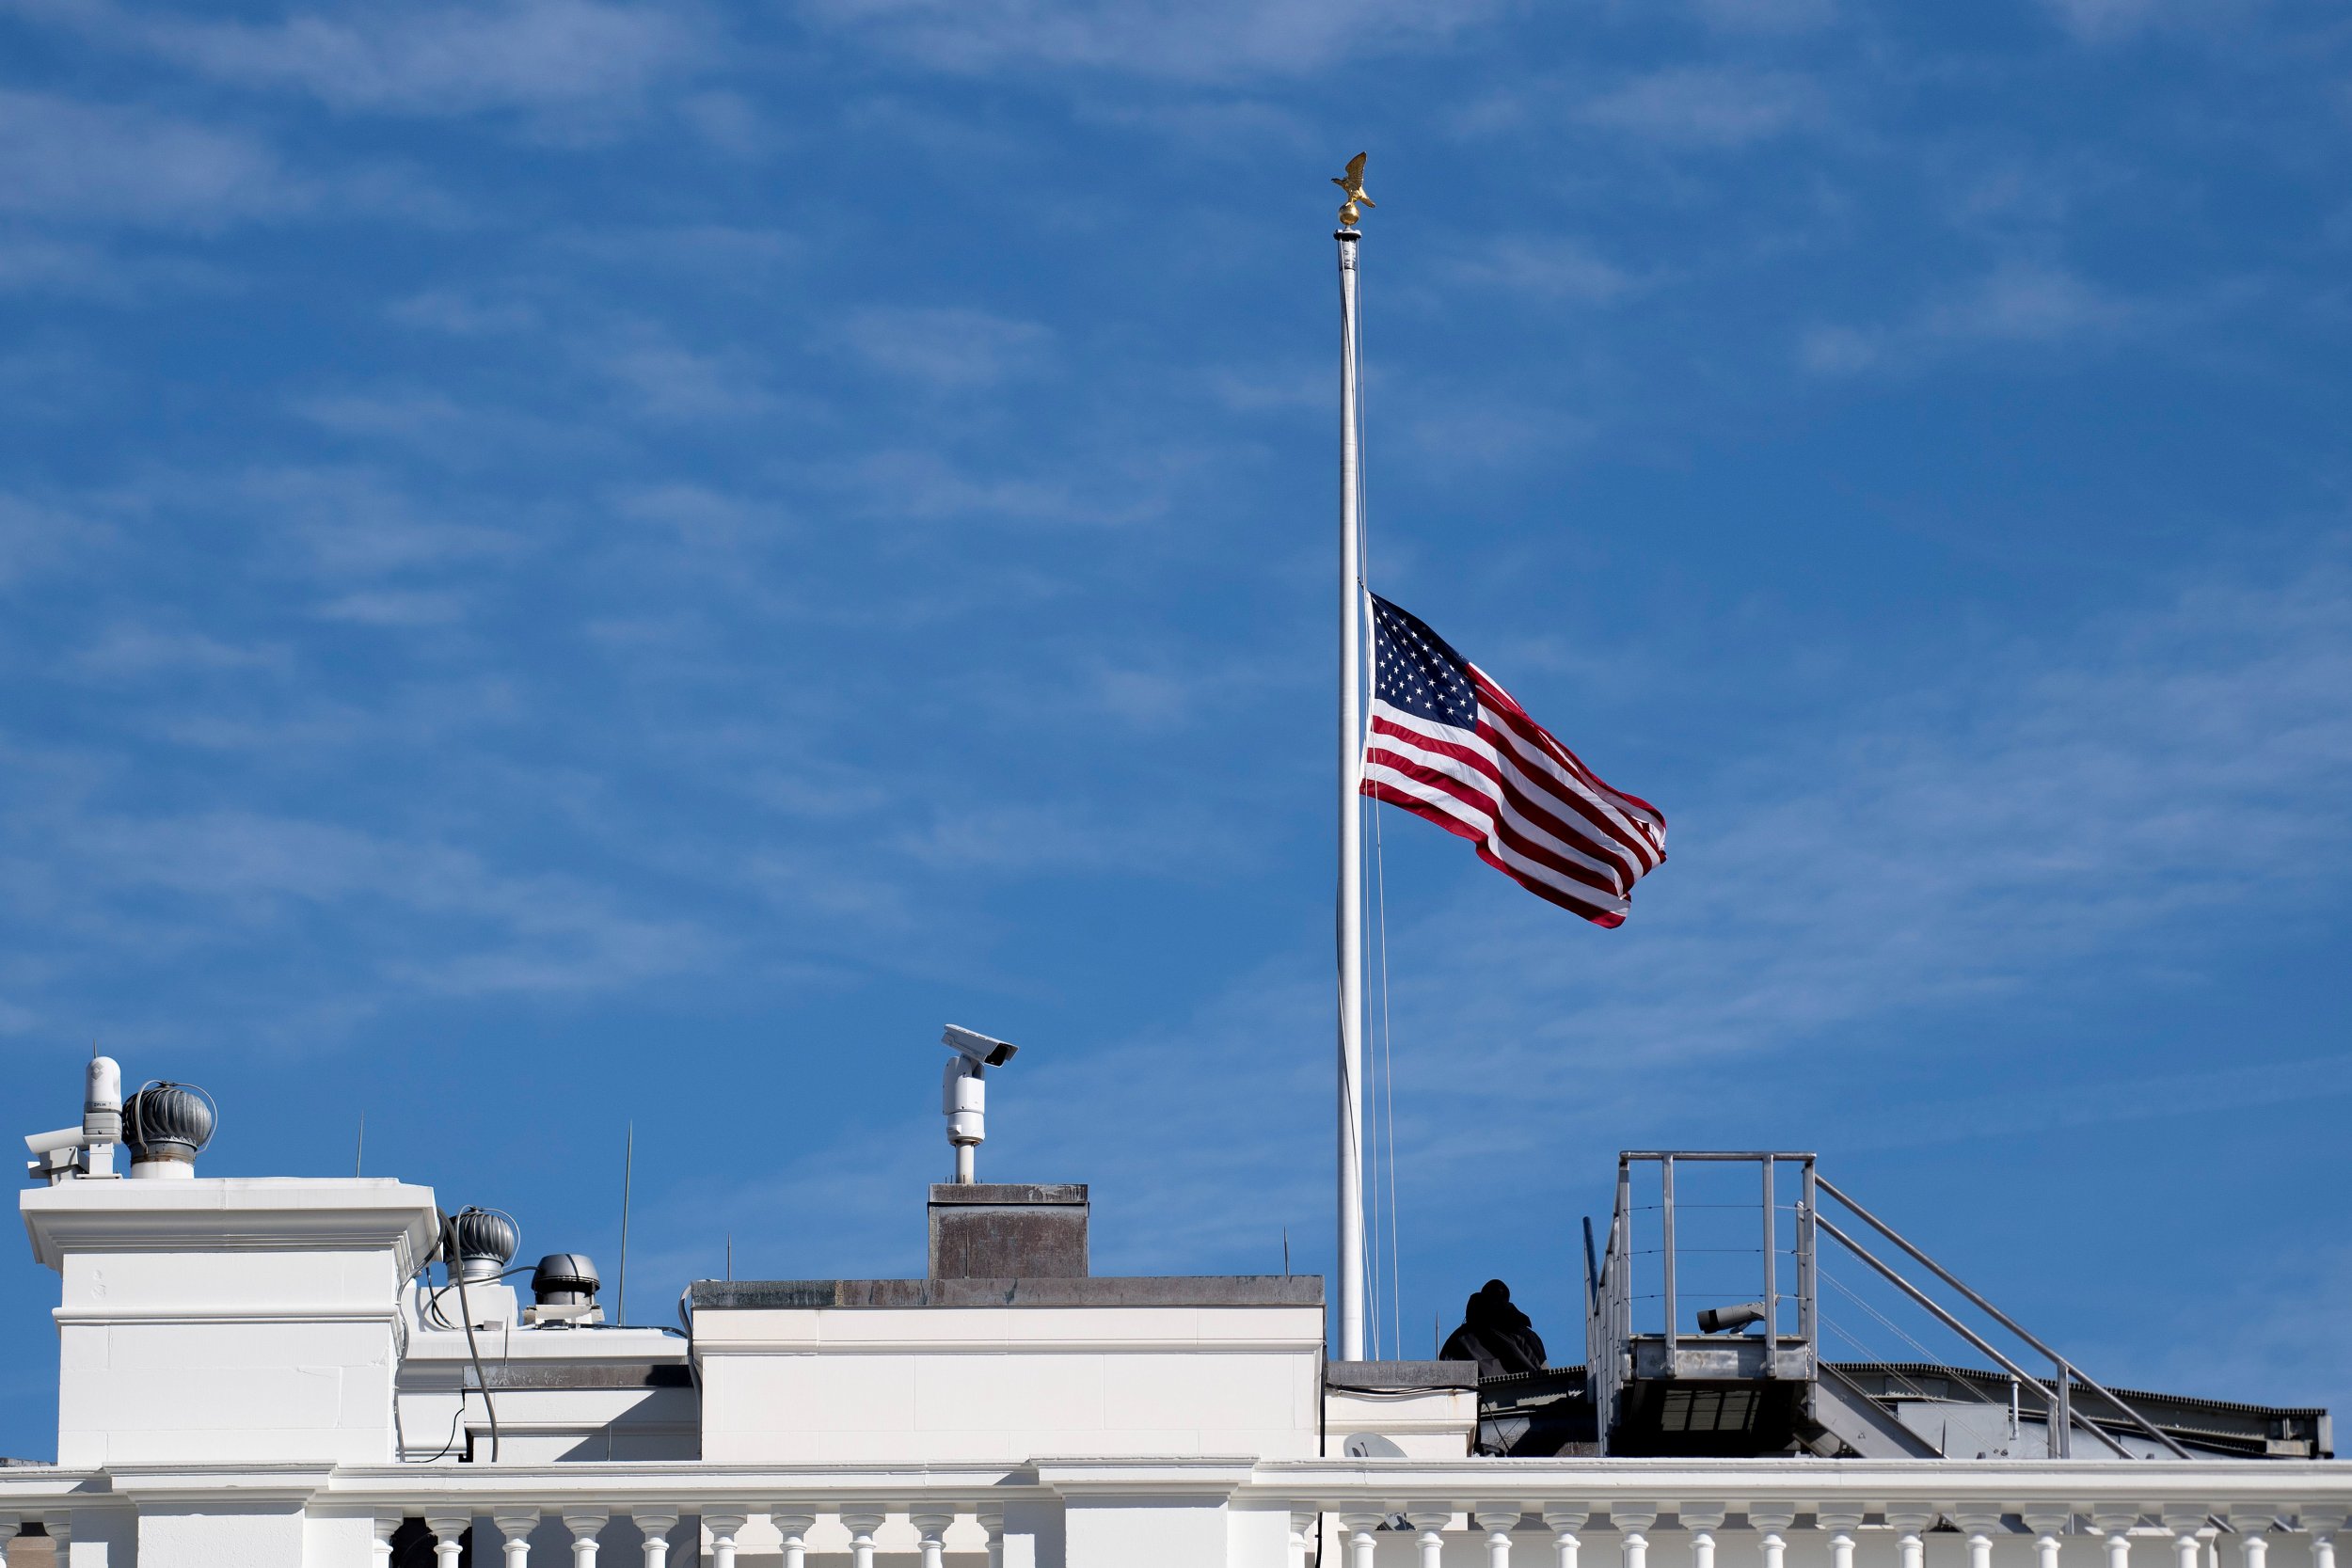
(229, 1321)
(971, 1371)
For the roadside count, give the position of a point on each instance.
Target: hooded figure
(1496, 1335)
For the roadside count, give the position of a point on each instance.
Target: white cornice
(236, 1214)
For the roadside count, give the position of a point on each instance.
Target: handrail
(2067, 1370)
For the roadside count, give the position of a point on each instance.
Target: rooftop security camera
(986, 1052)
(962, 1097)
(1730, 1319)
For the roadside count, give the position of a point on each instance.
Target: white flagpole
(1351, 890)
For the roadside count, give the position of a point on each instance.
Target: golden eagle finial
(1353, 183)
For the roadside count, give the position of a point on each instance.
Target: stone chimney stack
(1009, 1230)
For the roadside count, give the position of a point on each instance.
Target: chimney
(1009, 1230)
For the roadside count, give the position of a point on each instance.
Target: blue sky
(566, 562)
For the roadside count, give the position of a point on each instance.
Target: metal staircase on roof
(1724, 1391)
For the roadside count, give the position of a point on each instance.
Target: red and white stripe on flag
(1448, 744)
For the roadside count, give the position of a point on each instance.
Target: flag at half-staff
(1447, 743)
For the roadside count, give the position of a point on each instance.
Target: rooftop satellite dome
(166, 1126)
(481, 1242)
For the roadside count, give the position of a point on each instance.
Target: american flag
(1447, 743)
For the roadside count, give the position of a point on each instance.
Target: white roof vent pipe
(168, 1126)
(963, 1092)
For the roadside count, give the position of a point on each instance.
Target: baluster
(861, 1525)
(930, 1527)
(1980, 1525)
(2251, 1524)
(1632, 1520)
(794, 1527)
(1771, 1521)
(1702, 1520)
(655, 1525)
(1563, 1520)
(1908, 1520)
(2322, 1528)
(447, 1528)
(380, 1549)
(60, 1528)
(992, 1520)
(2186, 1525)
(2116, 1525)
(8, 1526)
(1361, 1545)
(1841, 1523)
(1497, 1520)
(724, 1528)
(514, 1527)
(2047, 1525)
(584, 1522)
(1302, 1521)
(1431, 1522)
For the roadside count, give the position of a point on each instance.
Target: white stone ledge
(2316, 1492)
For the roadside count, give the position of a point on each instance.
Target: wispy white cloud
(1219, 41)
(670, 381)
(544, 55)
(128, 651)
(64, 158)
(2113, 20)
(2019, 303)
(946, 348)
(358, 522)
(1547, 269)
(38, 536)
(1719, 106)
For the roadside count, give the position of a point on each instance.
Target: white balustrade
(655, 1525)
(1358, 1526)
(1841, 1522)
(1909, 1521)
(793, 1526)
(930, 1530)
(1702, 1520)
(514, 1527)
(2047, 1523)
(1633, 1520)
(2323, 1526)
(1771, 1523)
(1430, 1523)
(1746, 1514)
(724, 1525)
(1302, 1521)
(2187, 1526)
(584, 1522)
(1497, 1520)
(1980, 1526)
(862, 1524)
(2252, 1526)
(447, 1528)
(1563, 1520)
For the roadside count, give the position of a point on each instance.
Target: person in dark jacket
(1496, 1335)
